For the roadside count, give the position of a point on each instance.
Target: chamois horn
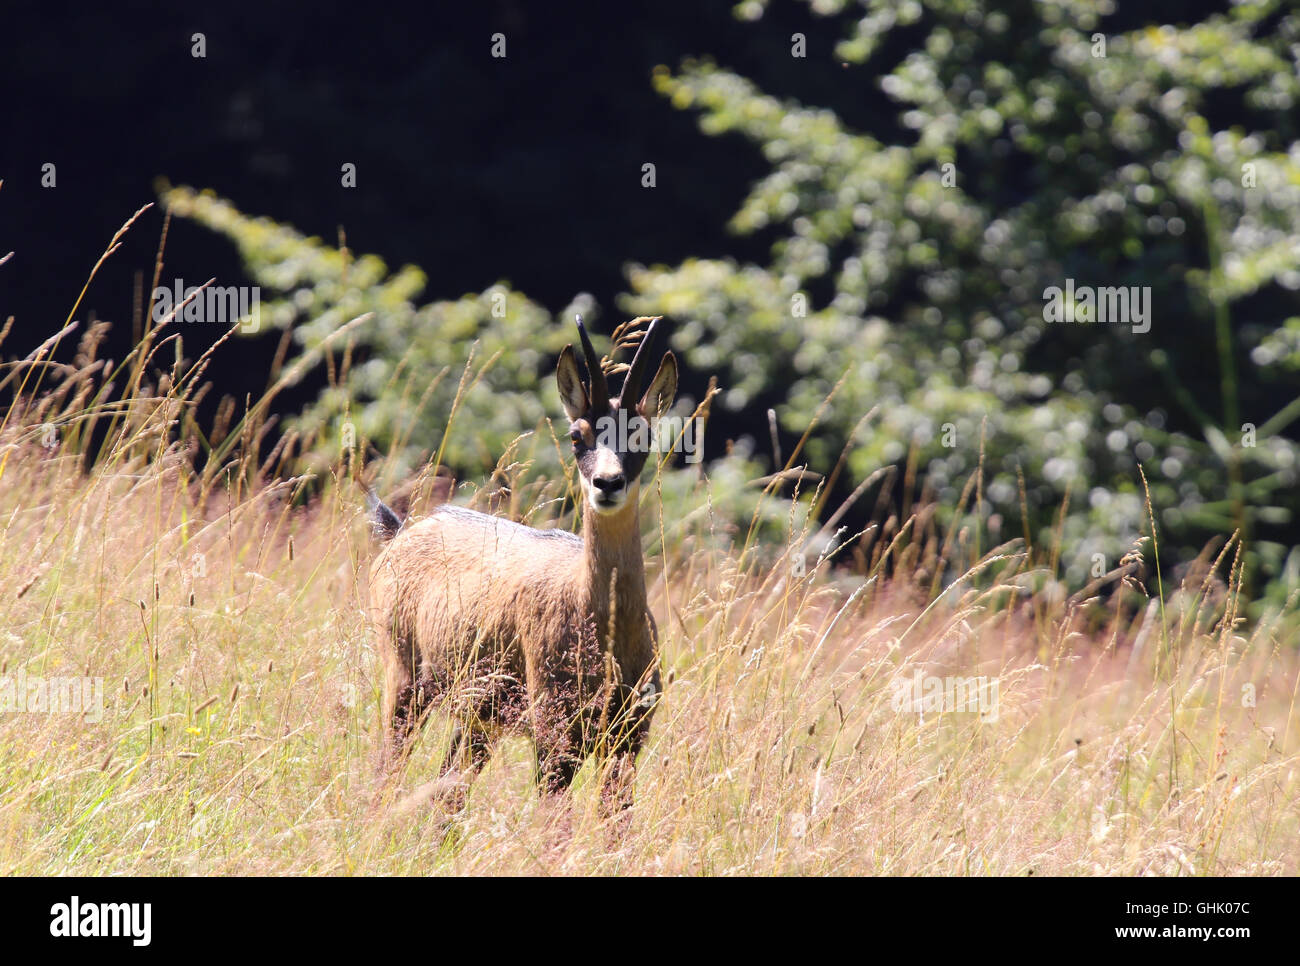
(631, 393)
(597, 387)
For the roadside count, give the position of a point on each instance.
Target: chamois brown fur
(513, 629)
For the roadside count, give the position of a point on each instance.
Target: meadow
(1142, 725)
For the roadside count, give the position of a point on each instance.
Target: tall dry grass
(219, 599)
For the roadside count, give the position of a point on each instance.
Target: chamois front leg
(565, 685)
(558, 741)
(556, 769)
(470, 750)
(629, 736)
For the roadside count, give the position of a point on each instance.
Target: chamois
(523, 630)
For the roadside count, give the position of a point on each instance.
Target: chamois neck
(612, 545)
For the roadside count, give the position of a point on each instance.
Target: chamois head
(611, 437)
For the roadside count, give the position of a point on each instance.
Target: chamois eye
(576, 436)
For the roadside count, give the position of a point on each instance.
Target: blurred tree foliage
(398, 379)
(1037, 147)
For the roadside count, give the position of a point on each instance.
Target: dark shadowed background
(528, 169)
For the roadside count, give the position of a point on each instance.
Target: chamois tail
(384, 523)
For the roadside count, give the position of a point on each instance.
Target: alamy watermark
(61, 695)
(128, 920)
(1113, 304)
(922, 693)
(660, 434)
(220, 305)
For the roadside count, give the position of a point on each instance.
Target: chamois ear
(663, 387)
(572, 393)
